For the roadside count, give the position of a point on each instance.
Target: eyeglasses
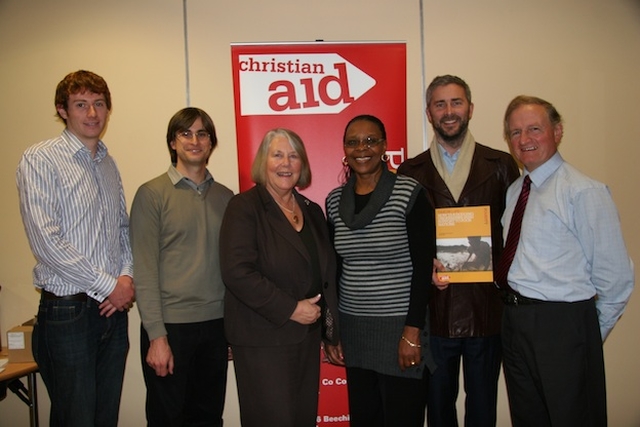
(188, 135)
(368, 142)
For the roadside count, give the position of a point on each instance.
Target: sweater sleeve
(145, 243)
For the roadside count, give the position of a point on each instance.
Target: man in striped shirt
(74, 213)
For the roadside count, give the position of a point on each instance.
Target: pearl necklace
(294, 217)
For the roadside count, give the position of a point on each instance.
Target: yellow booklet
(463, 241)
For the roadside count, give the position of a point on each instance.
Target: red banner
(333, 403)
(314, 89)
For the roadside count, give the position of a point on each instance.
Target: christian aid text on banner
(314, 89)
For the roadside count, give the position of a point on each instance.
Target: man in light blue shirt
(74, 213)
(569, 282)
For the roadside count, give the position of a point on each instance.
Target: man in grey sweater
(175, 223)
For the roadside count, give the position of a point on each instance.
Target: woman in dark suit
(279, 268)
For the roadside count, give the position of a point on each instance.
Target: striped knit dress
(375, 281)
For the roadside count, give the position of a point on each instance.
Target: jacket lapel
(279, 222)
(481, 170)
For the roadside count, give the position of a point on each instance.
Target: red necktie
(513, 237)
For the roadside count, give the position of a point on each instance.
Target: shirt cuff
(102, 287)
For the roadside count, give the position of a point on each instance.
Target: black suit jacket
(267, 269)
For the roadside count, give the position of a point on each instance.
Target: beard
(455, 136)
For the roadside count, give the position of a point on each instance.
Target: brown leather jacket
(468, 309)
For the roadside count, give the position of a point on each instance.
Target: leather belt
(510, 298)
(75, 297)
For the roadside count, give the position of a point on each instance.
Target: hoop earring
(344, 161)
(385, 157)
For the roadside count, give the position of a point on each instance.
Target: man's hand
(106, 308)
(160, 357)
(438, 266)
(121, 298)
(307, 311)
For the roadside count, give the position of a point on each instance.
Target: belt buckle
(511, 299)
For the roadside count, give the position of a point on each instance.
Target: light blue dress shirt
(449, 159)
(571, 246)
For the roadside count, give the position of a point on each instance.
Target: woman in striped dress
(383, 231)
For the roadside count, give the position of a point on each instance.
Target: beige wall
(582, 55)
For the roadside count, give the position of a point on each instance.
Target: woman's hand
(409, 348)
(307, 311)
(334, 354)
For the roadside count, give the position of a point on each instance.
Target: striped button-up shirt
(74, 214)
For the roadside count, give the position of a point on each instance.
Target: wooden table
(12, 374)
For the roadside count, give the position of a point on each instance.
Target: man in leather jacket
(465, 317)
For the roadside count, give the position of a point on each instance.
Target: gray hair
(259, 166)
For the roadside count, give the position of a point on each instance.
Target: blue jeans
(481, 357)
(81, 356)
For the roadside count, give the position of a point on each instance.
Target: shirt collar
(446, 154)
(176, 176)
(78, 147)
(545, 170)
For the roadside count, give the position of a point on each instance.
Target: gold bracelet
(410, 343)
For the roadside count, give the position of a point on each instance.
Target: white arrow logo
(323, 83)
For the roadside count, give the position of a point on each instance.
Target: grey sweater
(174, 238)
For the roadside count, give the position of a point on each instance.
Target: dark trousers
(377, 400)
(194, 395)
(81, 356)
(554, 366)
(480, 358)
(278, 385)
